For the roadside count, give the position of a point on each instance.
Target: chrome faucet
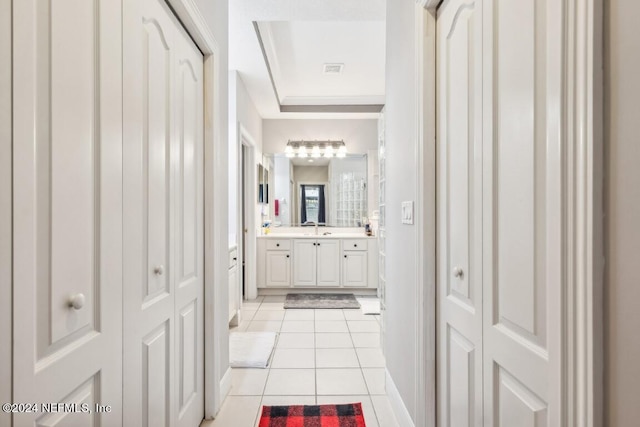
(315, 225)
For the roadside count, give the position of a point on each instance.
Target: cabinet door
(354, 269)
(304, 263)
(328, 263)
(278, 269)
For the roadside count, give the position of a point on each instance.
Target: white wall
(242, 111)
(401, 173)
(622, 141)
(359, 135)
(5, 208)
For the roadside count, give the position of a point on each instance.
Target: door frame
(6, 200)
(216, 250)
(247, 215)
(583, 241)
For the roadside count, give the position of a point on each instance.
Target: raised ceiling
(299, 37)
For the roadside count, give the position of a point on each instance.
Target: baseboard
(225, 385)
(399, 410)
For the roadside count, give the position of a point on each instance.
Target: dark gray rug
(321, 301)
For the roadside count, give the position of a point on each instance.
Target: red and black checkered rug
(349, 415)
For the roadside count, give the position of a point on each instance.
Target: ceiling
(299, 37)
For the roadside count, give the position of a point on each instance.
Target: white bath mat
(251, 349)
(370, 305)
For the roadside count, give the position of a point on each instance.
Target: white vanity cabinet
(316, 262)
(355, 263)
(278, 263)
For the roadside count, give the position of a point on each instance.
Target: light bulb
(289, 151)
(302, 151)
(342, 151)
(315, 151)
(328, 152)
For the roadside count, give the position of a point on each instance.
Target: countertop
(314, 236)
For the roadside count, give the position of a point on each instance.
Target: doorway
(247, 199)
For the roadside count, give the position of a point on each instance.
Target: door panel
(354, 269)
(459, 139)
(523, 213)
(67, 207)
(163, 302)
(189, 211)
(278, 268)
(328, 268)
(304, 263)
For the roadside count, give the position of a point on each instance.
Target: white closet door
(189, 231)
(163, 295)
(67, 163)
(459, 136)
(523, 272)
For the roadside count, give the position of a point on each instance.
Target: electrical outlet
(407, 212)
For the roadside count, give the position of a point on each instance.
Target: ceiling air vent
(333, 68)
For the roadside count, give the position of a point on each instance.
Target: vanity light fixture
(327, 149)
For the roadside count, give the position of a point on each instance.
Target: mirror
(331, 192)
(263, 184)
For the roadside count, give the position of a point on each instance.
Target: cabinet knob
(345, 256)
(355, 245)
(287, 256)
(458, 272)
(318, 244)
(159, 270)
(278, 245)
(76, 301)
(235, 258)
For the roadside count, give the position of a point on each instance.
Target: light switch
(407, 212)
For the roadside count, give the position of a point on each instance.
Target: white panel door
(522, 190)
(67, 217)
(304, 262)
(459, 136)
(328, 263)
(189, 229)
(163, 309)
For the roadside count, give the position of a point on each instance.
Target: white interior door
(189, 227)
(500, 213)
(163, 189)
(67, 163)
(523, 211)
(459, 136)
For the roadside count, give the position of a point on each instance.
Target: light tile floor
(321, 357)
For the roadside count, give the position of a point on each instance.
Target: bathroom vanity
(322, 261)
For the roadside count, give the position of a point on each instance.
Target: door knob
(76, 301)
(458, 272)
(159, 270)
